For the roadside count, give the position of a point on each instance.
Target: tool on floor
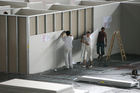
(118, 36)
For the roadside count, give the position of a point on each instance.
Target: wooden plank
(22, 45)
(32, 26)
(89, 19)
(74, 24)
(3, 53)
(12, 44)
(58, 21)
(49, 23)
(66, 21)
(81, 23)
(41, 24)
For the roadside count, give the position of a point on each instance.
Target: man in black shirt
(101, 42)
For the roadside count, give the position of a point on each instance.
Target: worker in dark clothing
(101, 43)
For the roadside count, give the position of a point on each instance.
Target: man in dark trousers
(101, 43)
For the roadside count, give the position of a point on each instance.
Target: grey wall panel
(89, 19)
(81, 23)
(130, 29)
(41, 24)
(3, 39)
(66, 21)
(12, 48)
(74, 23)
(100, 14)
(58, 22)
(22, 45)
(32, 26)
(49, 23)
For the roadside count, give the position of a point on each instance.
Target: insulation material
(130, 21)
(89, 19)
(74, 24)
(41, 24)
(66, 21)
(32, 26)
(50, 23)
(58, 22)
(30, 86)
(23, 57)
(12, 44)
(81, 23)
(3, 42)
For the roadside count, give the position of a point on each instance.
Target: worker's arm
(62, 34)
(105, 39)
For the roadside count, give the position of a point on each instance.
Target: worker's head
(103, 29)
(88, 34)
(67, 33)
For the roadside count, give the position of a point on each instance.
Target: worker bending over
(101, 43)
(67, 48)
(88, 50)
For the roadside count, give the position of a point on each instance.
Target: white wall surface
(46, 52)
(130, 27)
(108, 10)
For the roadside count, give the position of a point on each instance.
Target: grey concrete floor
(114, 68)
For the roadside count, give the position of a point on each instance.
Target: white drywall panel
(89, 19)
(40, 87)
(130, 21)
(58, 21)
(108, 15)
(47, 52)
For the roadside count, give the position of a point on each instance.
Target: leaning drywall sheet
(32, 26)
(3, 41)
(41, 24)
(66, 21)
(12, 44)
(58, 21)
(81, 23)
(108, 16)
(46, 52)
(74, 24)
(89, 19)
(49, 23)
(23, 65)
(130, 21)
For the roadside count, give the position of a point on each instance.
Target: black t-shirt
(101, 37)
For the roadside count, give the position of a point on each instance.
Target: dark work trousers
(100, 49)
